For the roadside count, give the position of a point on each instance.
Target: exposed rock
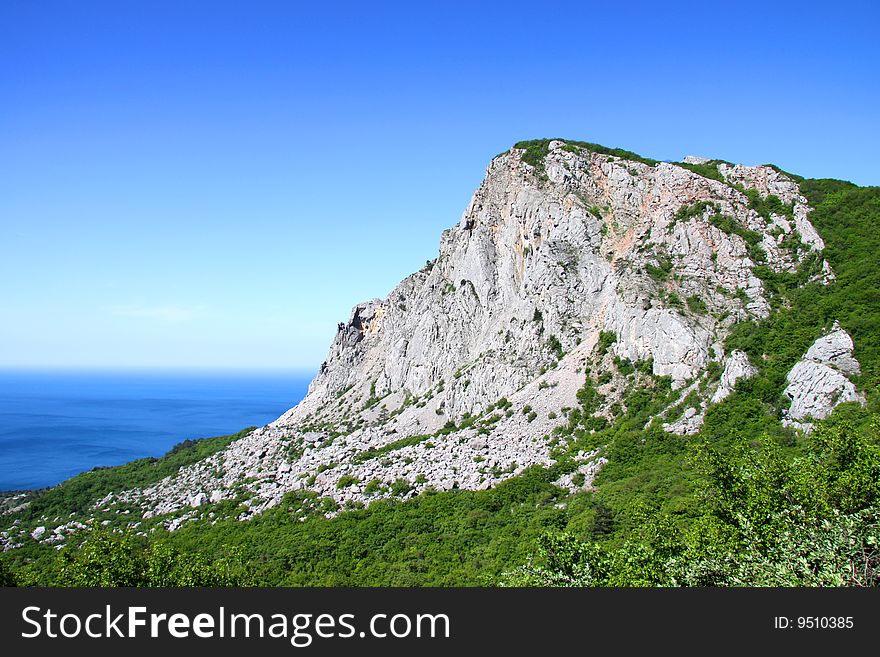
(38, 533)
(575, 249)
(582, 478)
(478, 443)
(816, 388)
(834, 349)
(688, 424)
(818, 382)
(737, 366)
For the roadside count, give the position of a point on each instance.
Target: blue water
(54, 425)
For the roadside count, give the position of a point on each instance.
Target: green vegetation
(78, 494)
(109, 559)
(373, 486)
(769, 520)
(536, 150)
(659, 272)
(707, 169)
(764, 206)
(752, 238)
(555, 346)
(345, 481)
(606, 339)
(847, 217)
(697, 209)
(696, 305)
(368, 454)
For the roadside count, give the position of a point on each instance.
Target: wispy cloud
(159, 313)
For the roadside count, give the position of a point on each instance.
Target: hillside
(600, 368)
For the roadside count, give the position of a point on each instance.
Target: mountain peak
(576, 275)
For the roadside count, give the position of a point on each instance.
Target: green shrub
(345, 481)
(400, 487)
(661, 271)
(606, 339)
(555, 346)
(696, 305)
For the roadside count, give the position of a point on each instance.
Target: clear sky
(215, 184)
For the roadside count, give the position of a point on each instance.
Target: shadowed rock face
(545, 257)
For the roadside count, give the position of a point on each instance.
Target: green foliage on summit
(536, 150)
(706, 169)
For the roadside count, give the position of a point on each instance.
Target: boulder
(819, 381)
(737, 366)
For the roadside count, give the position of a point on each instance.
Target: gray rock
(834, 349)
(688, 424)
(818, 382)
(478, 443)
(737, 366)
(816, 388)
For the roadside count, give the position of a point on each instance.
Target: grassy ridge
(536, 150)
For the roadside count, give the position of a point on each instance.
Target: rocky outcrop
(834, 349)
(819, 381)
(581, 478)
(596, 244)
(459, 376)
(688, 424)
(736, 367)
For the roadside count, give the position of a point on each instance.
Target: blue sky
(214, 185)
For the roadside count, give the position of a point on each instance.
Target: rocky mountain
(576, 275)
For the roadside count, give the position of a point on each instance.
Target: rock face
(819, 381)
(548, 256)
(736, 367)
(834, 349)
(588, 248)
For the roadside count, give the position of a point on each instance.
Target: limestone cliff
(561, 262)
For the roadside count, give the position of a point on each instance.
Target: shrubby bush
(812, 520)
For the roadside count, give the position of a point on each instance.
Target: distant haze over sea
(55, 424)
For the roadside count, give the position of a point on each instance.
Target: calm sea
(54, 425)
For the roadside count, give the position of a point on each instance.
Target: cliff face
(550, 256)
(568, 254)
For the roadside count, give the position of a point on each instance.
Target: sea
(56, 424)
